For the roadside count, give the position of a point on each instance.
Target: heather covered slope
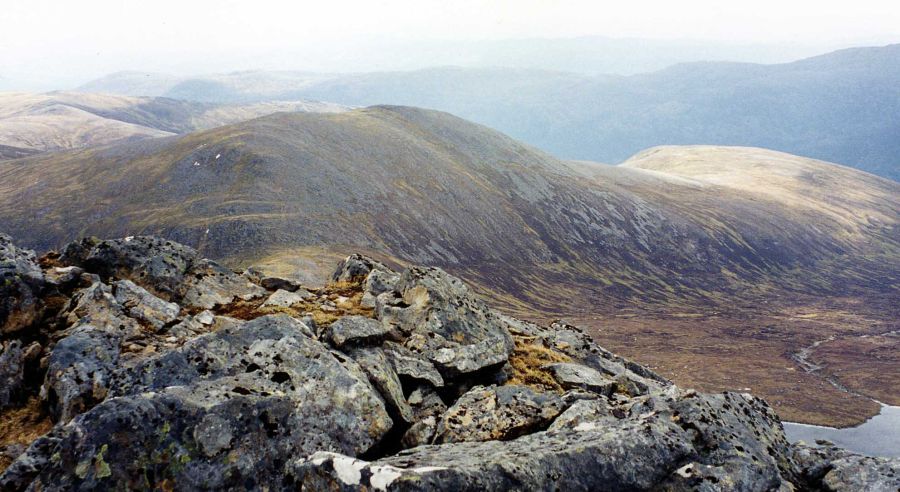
(424, 186)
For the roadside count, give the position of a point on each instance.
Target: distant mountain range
(33, 123)
(841, 107)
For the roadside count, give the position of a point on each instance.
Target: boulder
(21, 285)
(834, 469)
(227, 410)
(80, 371)
(657, 449)
(572, 376)
(444, 320)
(412, 365)
(64, 278)
(587, 458)
(581, 412)
(497, 413)
(355, 330)
(157, 265)
(144, 306)
(286, 298)
(210, 284)
(96, 305)
(381, 374)
(167, 269)
(377, 282)
(12, 373)
(276, 283)
(428, 408)
(356, 267)
(738, 439)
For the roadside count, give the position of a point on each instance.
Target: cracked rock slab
(497, 413)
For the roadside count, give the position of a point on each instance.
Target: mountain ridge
(836, 107)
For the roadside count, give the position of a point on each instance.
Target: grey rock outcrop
(21, 286)
(444, 321)
(571, 376)
(167, 269)
(12, 373)
(80, 371)
(355, 330)
(157, 378)
(497, 413)
(144, 306)
(833, 469)
(226, 410)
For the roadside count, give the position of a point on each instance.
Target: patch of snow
(196, 163)
(218, 155)
(128, 239)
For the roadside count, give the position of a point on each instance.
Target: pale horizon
(50, 44)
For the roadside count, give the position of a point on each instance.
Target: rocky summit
(137, 364)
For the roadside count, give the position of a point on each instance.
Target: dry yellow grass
(346, 297)
(22, 426)
(527, 361)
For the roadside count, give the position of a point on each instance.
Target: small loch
(878, 436)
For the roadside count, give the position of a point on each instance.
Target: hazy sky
(60, 41)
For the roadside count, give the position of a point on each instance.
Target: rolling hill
(32, 123)
(840, 107)
(673, 231)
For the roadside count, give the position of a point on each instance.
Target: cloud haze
(64, 42)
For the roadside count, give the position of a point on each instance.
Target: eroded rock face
(445, 322)
(833, 469)
(167, 269)
(144, 306)
(80, 369)
(12, 373)
(355, 330)
(164, 370)
(21, 285)
(226, 410)
(497, 413)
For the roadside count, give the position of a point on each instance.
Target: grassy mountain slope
(431, 188)
(724, 247)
